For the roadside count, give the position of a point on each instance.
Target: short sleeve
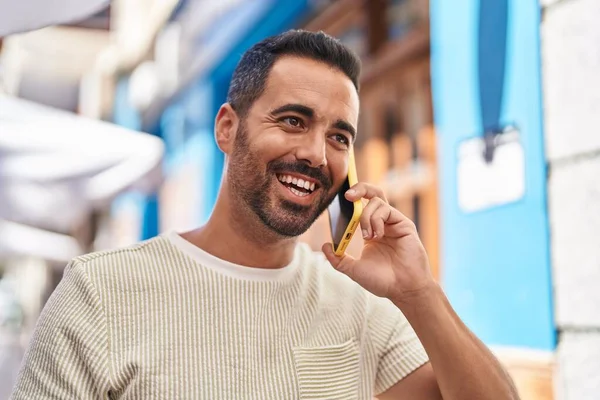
(397, 346)
(67, 357)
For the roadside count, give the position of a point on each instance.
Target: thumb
(343, 264)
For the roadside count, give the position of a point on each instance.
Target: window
(402, 16)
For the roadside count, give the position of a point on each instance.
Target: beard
(254, 187)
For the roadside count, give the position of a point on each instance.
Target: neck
(241, 238)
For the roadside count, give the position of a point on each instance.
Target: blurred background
(479, 118)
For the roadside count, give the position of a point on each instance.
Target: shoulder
(116, 258)
(111, 268)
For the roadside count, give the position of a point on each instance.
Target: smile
(298, 186)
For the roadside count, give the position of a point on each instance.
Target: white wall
(571, 69)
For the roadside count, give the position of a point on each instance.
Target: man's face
(290, 154)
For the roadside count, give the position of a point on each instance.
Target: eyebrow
(310, 113)
(345, 126)
(298, 108)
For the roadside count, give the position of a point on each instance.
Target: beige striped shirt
(165, 320)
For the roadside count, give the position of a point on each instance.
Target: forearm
(464, 367)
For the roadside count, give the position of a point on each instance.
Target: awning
(56, 167)
(18, 239)
(22, 16)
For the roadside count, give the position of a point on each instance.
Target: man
(238, 309)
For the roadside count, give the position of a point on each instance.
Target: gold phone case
(358, 208)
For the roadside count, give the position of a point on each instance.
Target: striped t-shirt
(165, 320)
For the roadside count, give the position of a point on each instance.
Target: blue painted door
(494, 238)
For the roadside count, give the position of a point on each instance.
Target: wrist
(429, 297)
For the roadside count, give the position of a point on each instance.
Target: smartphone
(344, 215)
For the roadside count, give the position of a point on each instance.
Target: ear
(226, 125)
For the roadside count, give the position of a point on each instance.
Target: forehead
(312, 83)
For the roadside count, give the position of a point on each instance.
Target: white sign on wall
(483, 185)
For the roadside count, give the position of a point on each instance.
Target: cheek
(337, 162)
(274, 146)
(257, 147)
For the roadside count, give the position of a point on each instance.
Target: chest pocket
(328, 372)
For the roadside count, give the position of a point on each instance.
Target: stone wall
(571, 74)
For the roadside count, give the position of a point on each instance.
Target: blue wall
(486, 73)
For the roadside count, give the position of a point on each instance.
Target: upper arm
(67, 353)
(419, 385)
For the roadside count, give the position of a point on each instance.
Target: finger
(365, 218)
(379, 218)
(364, 190)
(343, 264)
(396, 217)
(398, 225)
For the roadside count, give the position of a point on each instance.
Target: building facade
(570, 56)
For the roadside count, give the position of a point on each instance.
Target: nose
(313, 150)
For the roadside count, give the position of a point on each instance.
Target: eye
(293, 122)
(343, 139)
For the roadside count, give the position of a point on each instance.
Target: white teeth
(301, 183)
(298, 193)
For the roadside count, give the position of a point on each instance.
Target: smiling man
(238, 308)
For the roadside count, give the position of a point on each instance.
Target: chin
(288, 226)
(288, 230)
(285, 214)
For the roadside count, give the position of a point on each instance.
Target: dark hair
(250, 76)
